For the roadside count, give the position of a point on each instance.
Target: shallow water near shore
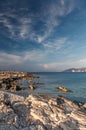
(76, 82)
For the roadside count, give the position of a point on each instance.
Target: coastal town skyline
(42, 35)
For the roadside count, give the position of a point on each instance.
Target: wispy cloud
(18, 27)
(52, 15)
(35, 55)
(23, 27)
(55, 45)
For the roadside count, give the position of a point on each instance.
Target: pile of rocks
(12, 86)
(9, 80)
(39, 112)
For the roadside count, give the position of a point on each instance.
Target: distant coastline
(75, 70)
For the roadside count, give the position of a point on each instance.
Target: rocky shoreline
(40, 112)
(9, 80)
(36, 112)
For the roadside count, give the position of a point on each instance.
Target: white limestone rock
(40, 112)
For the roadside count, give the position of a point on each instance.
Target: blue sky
(42, 35)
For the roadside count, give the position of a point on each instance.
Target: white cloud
(9, 59)
(28, 61)
(24, 31)
(59, 66)
(25, 28)
(6, 24)
(35, 55)
(37, 61)
(62, 2)
(20, 30)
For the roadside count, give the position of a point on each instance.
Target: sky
(42, 35)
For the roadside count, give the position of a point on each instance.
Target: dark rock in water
(37, 83)
(13, 86)
(31, 87)
(63, 89)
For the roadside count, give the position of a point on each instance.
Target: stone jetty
(40, 112)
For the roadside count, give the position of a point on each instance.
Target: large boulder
(31, 87)
(63, 89)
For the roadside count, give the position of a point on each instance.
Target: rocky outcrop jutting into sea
(40, 112)
(9, 80)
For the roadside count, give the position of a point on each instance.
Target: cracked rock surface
(40, 112)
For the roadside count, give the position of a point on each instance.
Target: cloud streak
(55, 45)
(48, 17)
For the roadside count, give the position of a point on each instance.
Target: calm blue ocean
(73, 81)
(76, 82)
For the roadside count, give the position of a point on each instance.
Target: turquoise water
(76, 82)
(73, 81)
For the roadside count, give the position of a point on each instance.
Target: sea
(74, 81)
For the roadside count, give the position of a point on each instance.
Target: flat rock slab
(40, 112)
